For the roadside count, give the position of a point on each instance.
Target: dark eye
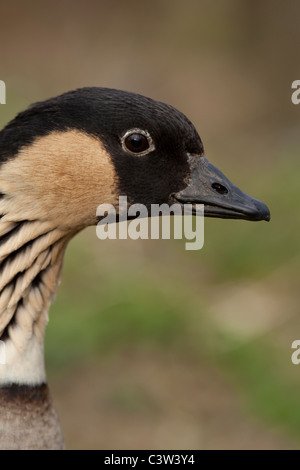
(137, 142)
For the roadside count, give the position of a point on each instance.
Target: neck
(31, 256)
(28, 420)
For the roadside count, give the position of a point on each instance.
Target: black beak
(208, 186)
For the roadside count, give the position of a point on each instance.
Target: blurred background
(150, 346)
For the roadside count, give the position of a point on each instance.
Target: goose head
(63, 157)
(59, 160)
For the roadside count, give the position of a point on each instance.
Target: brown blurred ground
(144, 400)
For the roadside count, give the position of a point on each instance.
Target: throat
(31, 256)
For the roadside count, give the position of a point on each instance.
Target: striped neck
(31, 256)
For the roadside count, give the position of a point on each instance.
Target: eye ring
(141, 132)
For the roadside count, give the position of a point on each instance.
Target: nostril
(219, 188)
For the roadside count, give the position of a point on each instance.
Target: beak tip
(263, 211)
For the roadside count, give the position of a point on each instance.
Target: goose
(60, 159)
